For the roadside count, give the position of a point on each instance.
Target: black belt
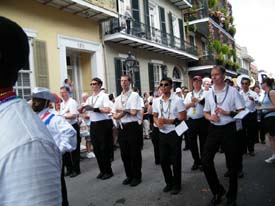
(129, 123)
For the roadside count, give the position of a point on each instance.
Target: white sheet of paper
(241, 114)
(181, 128)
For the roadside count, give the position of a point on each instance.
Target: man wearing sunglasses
(250, 121)
(101, 128)
(169, 111)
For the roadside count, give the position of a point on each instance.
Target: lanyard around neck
(200, 93)
(162, 111)
(215, 97)
(123, 103)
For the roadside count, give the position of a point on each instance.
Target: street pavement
(257, 188)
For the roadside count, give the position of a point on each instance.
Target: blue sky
(255, 24)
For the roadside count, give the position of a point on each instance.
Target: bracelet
(96, 110)
(176, 121)
(232, 114)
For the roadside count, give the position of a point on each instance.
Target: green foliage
(237, 65)
(233, 53)
(225, 49)
(232, 31)
(220, 59)
(229, 63)
(217, 45)
(212, 3)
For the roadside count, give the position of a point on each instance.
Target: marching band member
(29, 158)
(68, 109)
(169, 111)
(63, 133)
(127, 109)
(221, 102)
(101, 128)
(197, 124)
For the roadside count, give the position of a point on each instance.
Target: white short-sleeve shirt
(168, 109)
(70, 106)
(129, 100)
(98, 101)
(228, 99)
(30, 161)
(197, 111)
(250, 105)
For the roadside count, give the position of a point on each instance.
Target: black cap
(14, 51)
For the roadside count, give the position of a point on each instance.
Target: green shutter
(162, 25)
(118, 73)
(172, 40)
(182, 46)
(151, 76)
(147, 20)
(41, 63)
(135, 10)
(137, 80)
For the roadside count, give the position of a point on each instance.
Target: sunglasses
(164, 85)
(92, 84)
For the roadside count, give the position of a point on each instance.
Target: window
(157, 75)
(177, 77)
(24, 82)
(192, 40)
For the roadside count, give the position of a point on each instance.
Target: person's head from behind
(68, 82)
(14, 51)
(166, 85)
(84, 96)
(65, 93)
(218, 75)
(267, 84)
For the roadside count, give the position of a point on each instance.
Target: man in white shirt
(127, 109)
(250, 126)
(68, 109)
(197, 124)
(63, 133)
(168, 112)
(221, 102)
(101, 128)
(29, 158)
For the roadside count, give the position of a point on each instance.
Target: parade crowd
(41, 140)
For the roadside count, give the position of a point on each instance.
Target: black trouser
(155, 141)
(197, 128)
(63, 187)
(170, 154)
(130, 142)
(226, 137)
(261, 130)
(250, 128)
(128, 26)
(72, 159)
(102, 139)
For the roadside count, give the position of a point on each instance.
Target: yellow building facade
(65, 42)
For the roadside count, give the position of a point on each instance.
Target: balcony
(206, 62)
(146, 37)
(96, 10)
(182, 4)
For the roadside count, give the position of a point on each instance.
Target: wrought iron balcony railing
(148, 33)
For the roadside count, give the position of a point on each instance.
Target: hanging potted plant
(219, 59)
(229, 64)
(232, 31)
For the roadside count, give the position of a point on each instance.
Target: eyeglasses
(92, 84)
(163, 85)
(244, 83)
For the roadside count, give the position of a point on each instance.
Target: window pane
(19, 80)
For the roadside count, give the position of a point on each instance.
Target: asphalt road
(257, 188)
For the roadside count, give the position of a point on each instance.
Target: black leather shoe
(100, 175)
(107, 176)
(241, 174)
(127, 181)
(167, 188)
(135, 182)
(217, 198)
(230, 202)
(74, 174)
(195, 167)
(252, 154)
(175, 190)
(226, 174)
